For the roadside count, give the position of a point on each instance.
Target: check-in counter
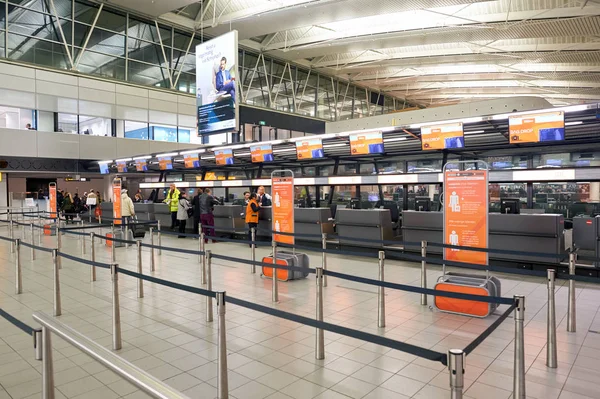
(265, 221)
(144, 211)
(586, 237)
(107, 209)
(228, 217)
(313, 221)
(542, 233)
(162, 213)
(360, 224)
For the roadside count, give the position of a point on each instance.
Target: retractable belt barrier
(84, 261)
(16, 322)
(43, 249)
(488, 331)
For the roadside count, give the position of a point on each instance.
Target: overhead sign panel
(104, 168)
(262, 153)
(122, 166)
(366, 143)
(309, 149)
(224, 157)
(191, 161)
(216, 74)
(535, 128)
(441, 137)
(165, 163)
(141, 165)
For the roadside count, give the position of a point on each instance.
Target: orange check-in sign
(283, 208)
(466, 215)
(117, 201)
(52, 197)
(547, 126)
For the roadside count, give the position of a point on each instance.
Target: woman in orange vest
(252, 215)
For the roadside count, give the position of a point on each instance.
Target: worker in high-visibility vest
(252, 215)
(173, 201)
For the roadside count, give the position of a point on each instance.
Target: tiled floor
(165, 333)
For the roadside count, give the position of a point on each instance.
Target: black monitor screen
(510, 205)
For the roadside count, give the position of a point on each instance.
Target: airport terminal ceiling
(426, 51)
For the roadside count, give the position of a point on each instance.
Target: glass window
(16, 118)
(551, 161)
(136, 130)
(37, 51)
(569, 198)
(498, 191)
(343, 194)
(67, 123)
(94, 126)
(394, 194)
(367, 169)
(585, 159)
(507, 162)
(369, 196)
(163, 133)
(417, 191)
(424, 166)
(183, 134)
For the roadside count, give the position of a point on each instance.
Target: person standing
(252, 209)
(207, 203)
(127, 208)
(173, 201)
(196, 206)
(246, 197)
(68, 207)
(182, 213)
(263, 198)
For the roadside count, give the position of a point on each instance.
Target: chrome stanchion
(199, 251)
(519, 361)
(19, 275)
(140, 285)
(423, 271)
(116, 311)
(56, 267)
(381, 292)
(456, 370)
(551, 350)
(59, 244)
(92, 256)
(203, 249)
(47, 366)
(324, 257)
(82, 239)
(125, 230)
(112, 243)
(274, 288)
(320, 334)
(32, 241)
(37, 344)
(253, 249)
(572, 306)
(152, 265)
(12, 236)
(209, 309)
(222, 380)
(159, 237)
(40, 229)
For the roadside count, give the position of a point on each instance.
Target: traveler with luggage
(252, 215)
(184, 211)
(68, 207)
(207, 204)
(173, 201)
(196, 206)
(127, 209)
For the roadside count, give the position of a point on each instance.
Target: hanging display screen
(141, 165)
(165, 163)
(191, 161)
(366, 143)
(122, 166)
(261, 153)
(104, 168)
(441, 137)
(535, 128)
(224, 157)
(309, 149)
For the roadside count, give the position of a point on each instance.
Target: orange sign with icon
(548, 126)
(283, 208)
(52, 197)
(309, 149)
(117, 201)
(441, 137)
(366, 143)
(466, 215)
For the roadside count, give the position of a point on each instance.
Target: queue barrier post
(47, 365)
(423, 271)
(199, 251)
(92, 256)
(274, 286)
(519, 357)
(59, 244)
(222, 378)
(12, 235)
(125, 230)
(551, 349)
(209, 309)
(203, 250)
(159, 238)
(37, 344)
(40, 229)
(116, 311)
(18, 271)
(381, 292)
(56, 267)
(320, 334)
(32, 241)
(140, 282)
(152, 265)
(253, 249)
(82, 237)
(572, 305)
(456, 370)
(112, 243)
(324, 256)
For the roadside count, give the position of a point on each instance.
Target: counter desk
(162, 213)
(144, 211)
(313, 222)
(354, 225)
(229, 217)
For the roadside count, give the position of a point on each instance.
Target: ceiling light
(336, 145)
(209, 157)
(104, 161)
(123, 160)
(395, 139)
(144, 157)
(192, 152)
(284, 150)
(475, 132)
(170, 154)
(573, 123)
(242, 154)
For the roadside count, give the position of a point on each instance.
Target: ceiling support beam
(87, 38)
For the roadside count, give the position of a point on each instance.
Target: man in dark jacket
(207, 203)
(196, 206)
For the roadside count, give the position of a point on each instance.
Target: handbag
(190, 212)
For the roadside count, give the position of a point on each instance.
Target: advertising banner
(547, 126)
(261, 153)
(52, 200)
(309, 149)
(141, 165)
(216, 74)
(283, 207)
(122, 167)
(191, 160)
(441, 137)
(366, 143)
(165, 163)
(117, 201)
(224, 157)
(466, 215)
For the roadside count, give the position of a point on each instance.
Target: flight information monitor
(366, 143)
(141, 165)
(441, 137)
(165, 163)
(535, 128)
(224, 157)
(309, 149)
(262, 153)
(104, 168)
(191, 160)
(122, 167)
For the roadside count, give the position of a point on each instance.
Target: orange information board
(309, 149)
(366, 143)
(261, 153)
(441, 137)
(547, 126)
(191, 160)
(224, 157)
(117, 201)
(466, 215)
(52, 198)
(283, 208)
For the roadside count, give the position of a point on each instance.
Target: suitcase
(467, 284)
(138, 231)
(287, 258)
(118, 236)
(49, 230)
